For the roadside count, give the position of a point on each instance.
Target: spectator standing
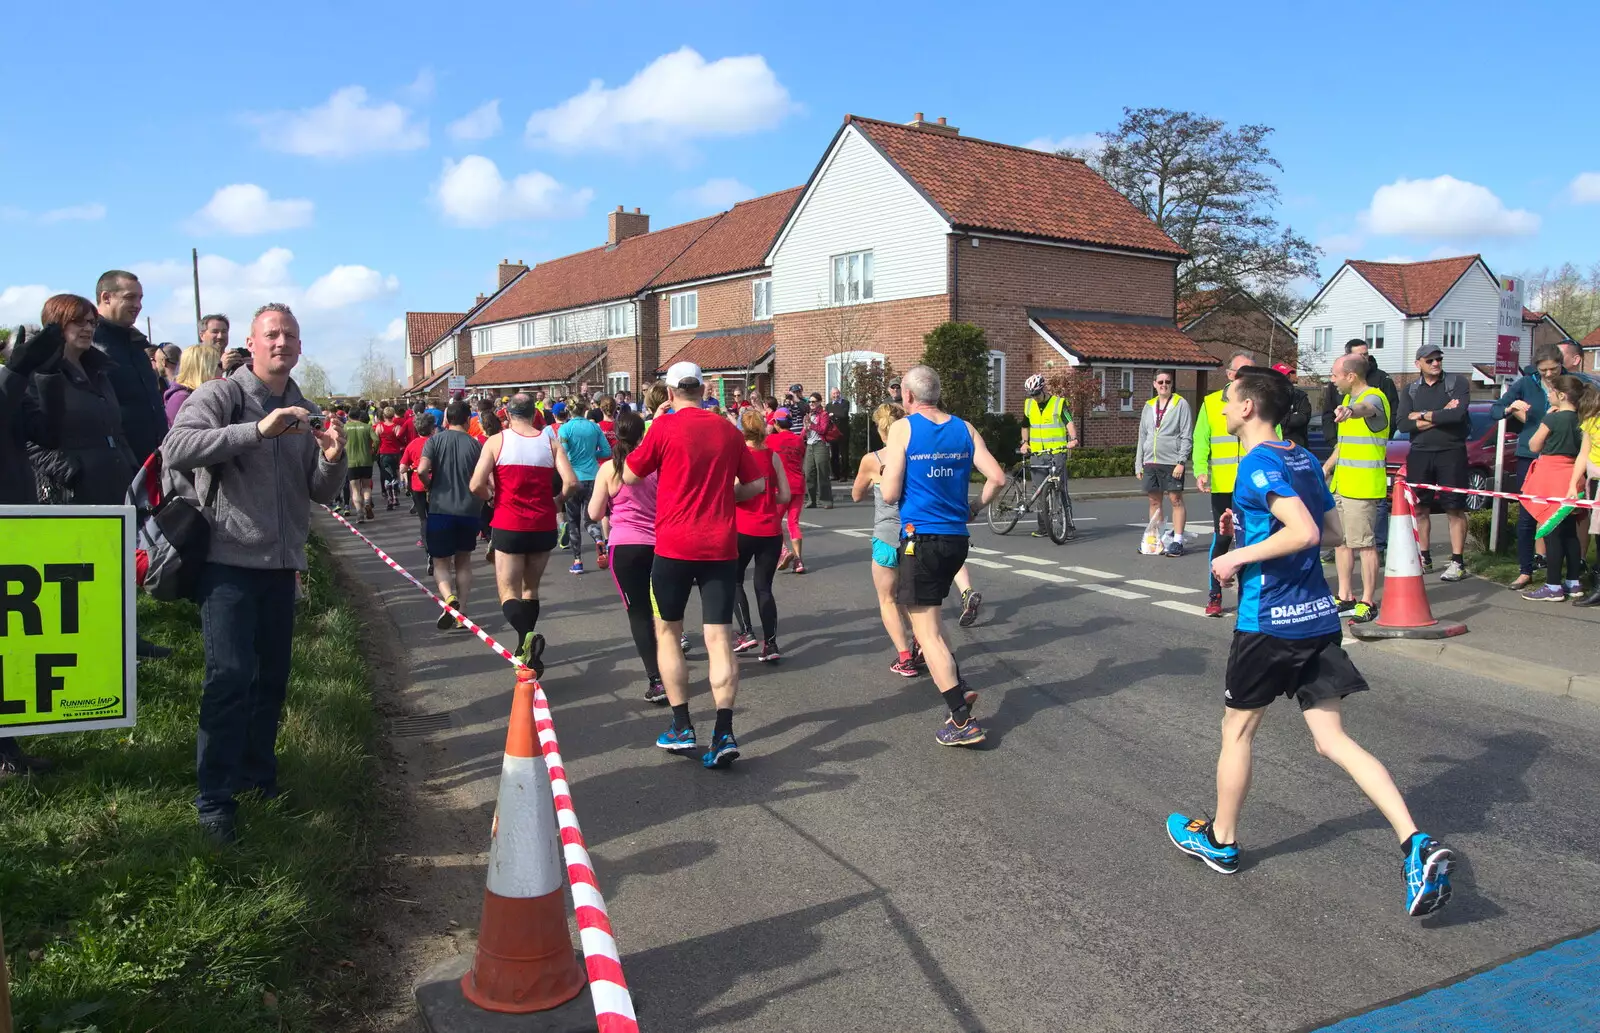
(1527, 400)
(585, 446)
(1572, 362)
(1166, 439)
(1047, 435)
(1216, 463)
(1357, 474)
(234, 358)
(214, 331)
(164, 359)
(1297, 421)
(200, 363)
(272, 465)
(839, 416)
(819, 479)
(120, 297)
(1434, 413)
(1377, 378)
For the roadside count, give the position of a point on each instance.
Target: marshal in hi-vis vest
(1361, 472)
(1216, 452)
(1047, 428)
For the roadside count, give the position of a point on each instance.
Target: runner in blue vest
(927, 464)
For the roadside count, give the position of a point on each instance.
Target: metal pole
(1499, 474)
(194, 258)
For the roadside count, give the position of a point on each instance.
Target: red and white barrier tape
(613, 1004)
(1512, 496)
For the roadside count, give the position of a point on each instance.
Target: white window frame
(683, 310)
(1372, 333)
(1127, 385)
(834, 368)
(1322, 340)
(480, 341)
(761, 299)
(619, 320)
(851, 277)
(618, 382)
(526, 335)
(1453, 333)
(562, 330)
(997, 382)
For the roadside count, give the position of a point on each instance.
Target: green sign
(66, 618)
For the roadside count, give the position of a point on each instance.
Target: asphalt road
(850, 874)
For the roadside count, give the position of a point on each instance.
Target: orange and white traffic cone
(1403, 611)
(525, 961)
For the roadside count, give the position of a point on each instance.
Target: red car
(1480, 452)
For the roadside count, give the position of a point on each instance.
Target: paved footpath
(850, 874)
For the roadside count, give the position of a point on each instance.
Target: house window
(838, 369)
(617, 382)
(761, 299)
(852, 278)
(619, 320)
(997, 382)
(683, 311)
(1100, 390)
(1127, 390)
(525, 335)
(562, 330)
(1373, 332)
(480, 341)
(1454, 333)
(1322, 340)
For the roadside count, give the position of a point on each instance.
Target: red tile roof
(1414, 288)
(737, 242)
(994, 186)
(423, 329)
(545, 366)
(1593, 340)
(1530, 316)
(1110, 343)
(725, 351)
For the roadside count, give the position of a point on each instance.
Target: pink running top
(633, 514)
(524, 478)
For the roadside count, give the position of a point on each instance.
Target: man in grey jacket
(1166, 432)
(275, 455)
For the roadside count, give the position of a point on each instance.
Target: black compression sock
(724, 725)
(680, 717)
(512, 609)
(531, 608)
(1211, 836)
(954, 698)
(1455, 557)
(1427, 556)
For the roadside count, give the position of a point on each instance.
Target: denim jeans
(247, 622)
(1381, 529)
(1527, 527)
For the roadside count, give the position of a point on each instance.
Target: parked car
(1480, 451)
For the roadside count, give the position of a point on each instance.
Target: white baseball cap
(682, 371)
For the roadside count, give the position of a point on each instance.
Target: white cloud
(244, 208)
(1076, 142)
(395, 331)
(346, 285)
(1340, 246)
(92, 212)
(677, 98)
(347, 125)
(1398, 259)
(22, 304)
(471, 192)
(478, 124)
(717, 193)
(1585, 188)
(1444, 207)
(421, 88)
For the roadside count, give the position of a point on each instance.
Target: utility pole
(194, 258)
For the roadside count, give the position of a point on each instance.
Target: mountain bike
(1019, 497)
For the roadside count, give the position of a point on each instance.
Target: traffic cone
(1404, 610)
(525, 961)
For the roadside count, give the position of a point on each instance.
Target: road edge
(1526, 674)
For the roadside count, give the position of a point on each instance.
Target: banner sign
(66, 618)
(457, 384)
(1508, 344)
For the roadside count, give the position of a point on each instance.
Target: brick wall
(721, 306)
(1228, 330)
(893, 328)
(465, 363)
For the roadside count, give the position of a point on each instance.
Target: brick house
(1227, 322)
(903, 227)
(1591, 351)
(430, 363)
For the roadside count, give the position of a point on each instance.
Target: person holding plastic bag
(1166, 437)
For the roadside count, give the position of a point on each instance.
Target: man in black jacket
(839, 413)
(119, 297)
(1297, 421)
(1434, 413)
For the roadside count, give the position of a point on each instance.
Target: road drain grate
(419, 724)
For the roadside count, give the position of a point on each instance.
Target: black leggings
(764, 551)
(422, 512)
(390, 467)
(630, 569)
(1563, 543)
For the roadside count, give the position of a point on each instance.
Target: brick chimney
(938, 126)
(510, 270)
(620, 225)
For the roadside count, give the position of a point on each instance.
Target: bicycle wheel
(1069, 530)
(1055, 516)
(1006, 507)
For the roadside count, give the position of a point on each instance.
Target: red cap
(1286, 370)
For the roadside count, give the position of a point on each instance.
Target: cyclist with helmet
(1046, 438)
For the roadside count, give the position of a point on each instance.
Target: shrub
(959, 353)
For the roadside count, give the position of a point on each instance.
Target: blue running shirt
(938, 469)
(1287, 597)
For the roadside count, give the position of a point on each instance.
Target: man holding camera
(275, 454)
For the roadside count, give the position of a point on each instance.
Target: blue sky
(324, 154)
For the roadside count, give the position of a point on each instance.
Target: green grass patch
(119, 915)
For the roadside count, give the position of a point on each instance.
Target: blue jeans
(1527, 527)
(247, 622)
(1381, 531)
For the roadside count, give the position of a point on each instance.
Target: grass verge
(119, 916)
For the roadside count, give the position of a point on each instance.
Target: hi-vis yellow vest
(1223, 448)
(1361, 472)
(1047, 430)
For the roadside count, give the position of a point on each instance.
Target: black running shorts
(1448, 469)
(448, 535)
(928, 565)
(1263, 667)
(671, 581)
(521, 543)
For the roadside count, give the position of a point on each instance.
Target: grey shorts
(1158, 477)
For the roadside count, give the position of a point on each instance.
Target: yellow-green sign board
(66, 618)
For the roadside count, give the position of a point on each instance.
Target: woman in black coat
(92, 463)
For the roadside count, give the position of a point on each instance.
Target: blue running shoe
(1428, 865)
(1193, 837)
(677, 740)
(723, 752)
(952, 734)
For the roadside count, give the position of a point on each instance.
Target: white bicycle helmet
(1033, 384)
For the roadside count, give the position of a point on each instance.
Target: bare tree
(848, 328)
(313, 381)
(1571, 297)
(1085, 394)
(375, 376)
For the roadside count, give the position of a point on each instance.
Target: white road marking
(1032, 559)
(1091, 572)
(814, 527)
(1045, 575)
(983, 552)
(1159, 587)
(1115, 593)
(851, 533)
(1084, 520)
(988, 563)
(1172, 604)
(1192, 527)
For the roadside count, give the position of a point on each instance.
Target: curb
(1536, 677)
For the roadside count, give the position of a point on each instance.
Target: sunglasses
(1162, 383)
(1430, 359)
